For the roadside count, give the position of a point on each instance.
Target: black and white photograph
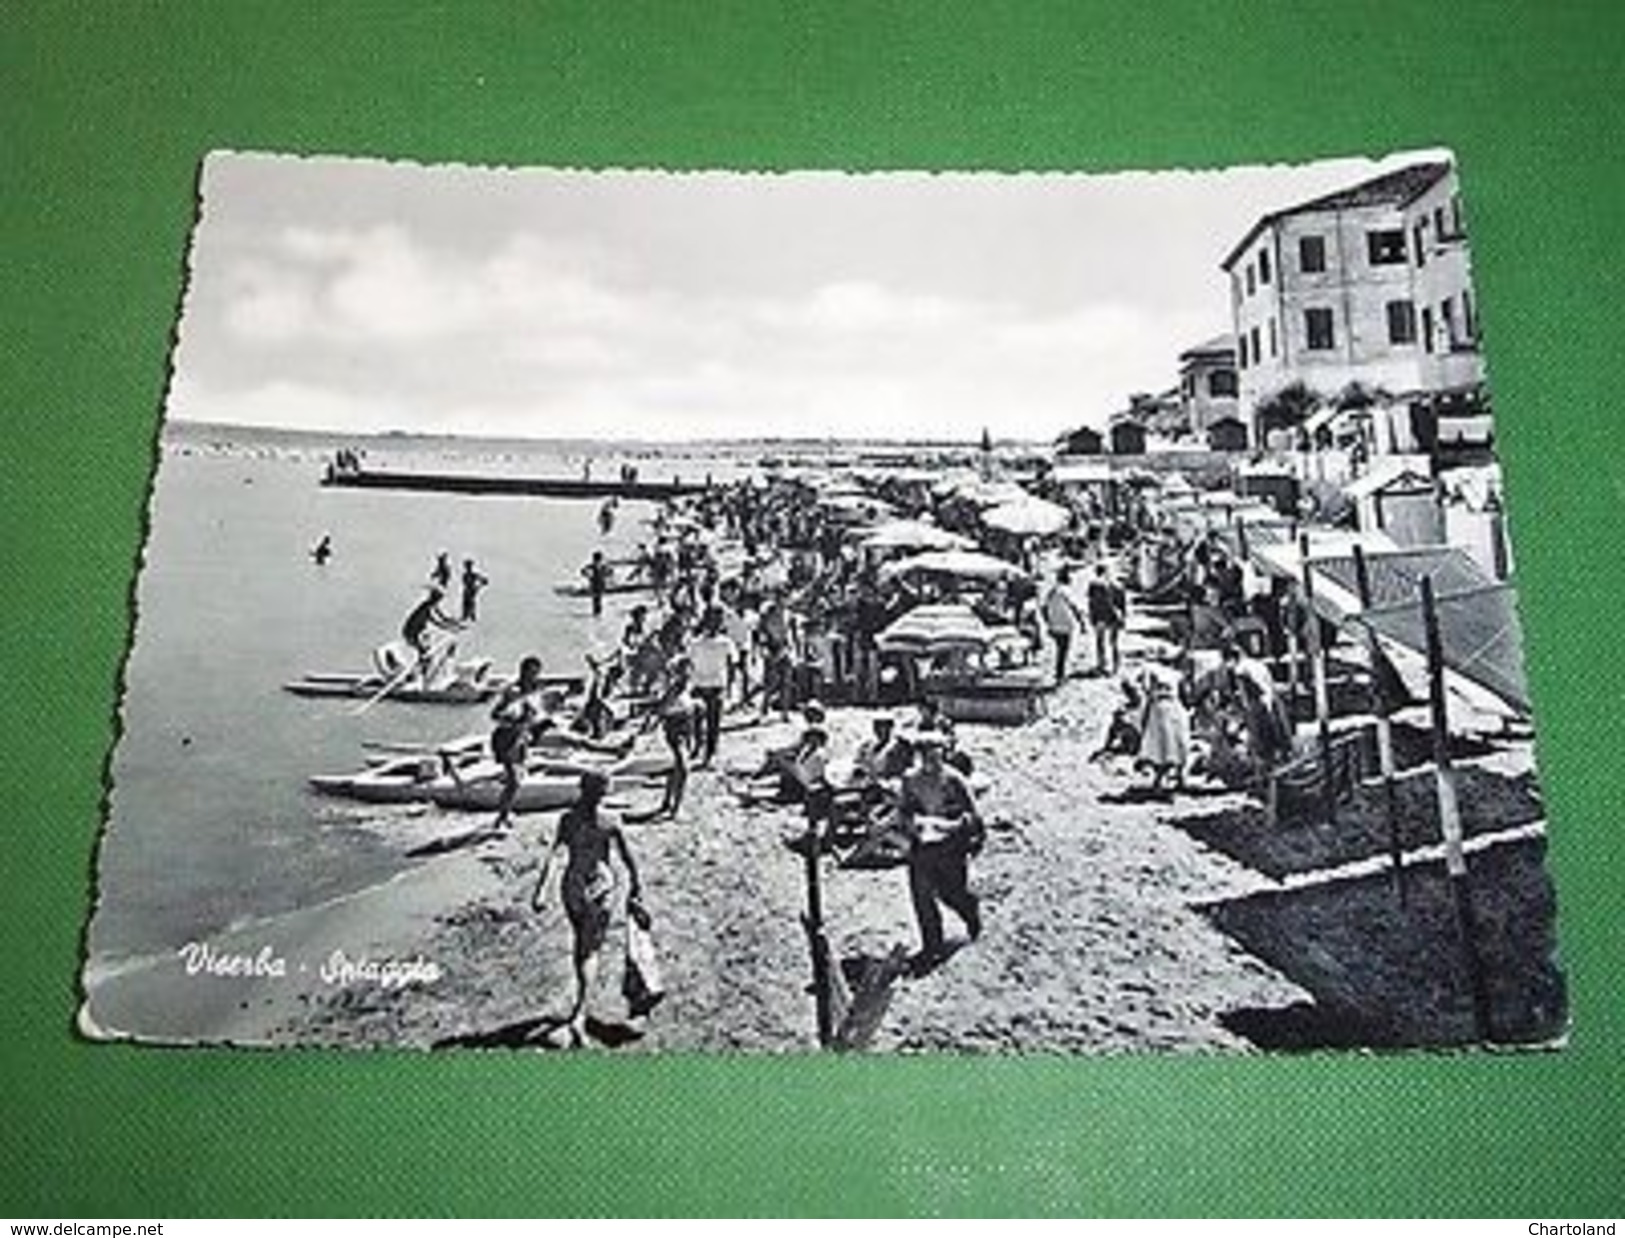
(894, 612)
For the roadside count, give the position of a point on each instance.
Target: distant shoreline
(203, 431)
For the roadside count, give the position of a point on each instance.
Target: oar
(400, 677)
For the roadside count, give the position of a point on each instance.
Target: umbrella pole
(1385, 728)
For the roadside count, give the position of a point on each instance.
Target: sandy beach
(1092, 940)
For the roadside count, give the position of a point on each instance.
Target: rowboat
(470, 683)
(615, 586)
(366, 686)
(399, 780)
(544, 789)
(461, 772)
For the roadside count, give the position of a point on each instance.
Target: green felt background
(105, 109)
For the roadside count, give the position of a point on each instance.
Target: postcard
(875, 612)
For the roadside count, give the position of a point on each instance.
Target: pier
(496, 484)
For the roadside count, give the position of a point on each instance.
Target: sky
(363, 296)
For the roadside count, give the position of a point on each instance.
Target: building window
(1419, 239)
(1385, 247)
(1317, 326)
(1447, 322)
(1251, 286)
(1241, 350)
(1272, 337)
(1401, 322)
(1263, 266)
(1257, 354)
(1457, 230)
(1469, 324)
(1222, 383)
(1427, 328)
(1311, 254)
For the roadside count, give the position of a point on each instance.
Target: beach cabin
(1227, 434)
(1127, 438)
(1474, 519)
(1084, 441)
(1271, 481)
(1402, 502)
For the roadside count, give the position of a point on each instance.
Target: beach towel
(642, 984)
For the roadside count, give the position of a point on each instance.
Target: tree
(1358, 395)
(1288, 408)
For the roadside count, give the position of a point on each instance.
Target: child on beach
(586, 832)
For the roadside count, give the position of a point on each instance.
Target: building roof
(1398, 188)
(1068, 435)
(1224, 345)
(1402, 478)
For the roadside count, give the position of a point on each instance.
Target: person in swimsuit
(473, 581)
(586, 832)
(415, 628)
(677, 724)
(520, 712)
(596, 574)
(440, 575)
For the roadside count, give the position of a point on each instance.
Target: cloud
(862, 306)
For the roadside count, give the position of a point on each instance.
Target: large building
(1364, 298)
(1208, 384)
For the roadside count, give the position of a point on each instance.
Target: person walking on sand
(937, 814)
(473, 581)
(520, 713)
(1063, 619)
(322, 551)
(676, 712)
(586, 832)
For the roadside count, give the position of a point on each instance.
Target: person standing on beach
(323, 550)
(440, 574)
(676, 712)
(1165, 733)
(586, 832)
(1063, 619)
(473, 581)
(519, 714)
(1107, 606)
(937, 814)
(711, 657)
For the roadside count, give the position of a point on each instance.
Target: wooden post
(1385, 728)
(1455, 856)
(817, 943)
(1317, 663)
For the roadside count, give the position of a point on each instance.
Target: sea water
(211, 823)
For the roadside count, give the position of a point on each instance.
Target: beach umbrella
(964, 564)
(954, 481)
(1028, 517)
(935, 629)
(855, 507)
(984, 494)
(915, 535)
